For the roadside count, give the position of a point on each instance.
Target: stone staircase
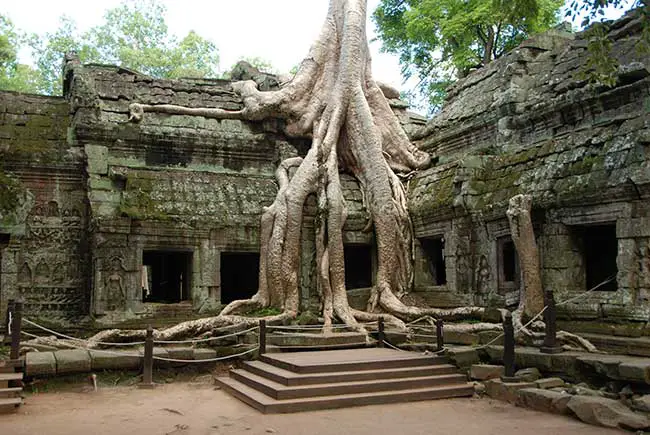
(11, 388)
(306, 381)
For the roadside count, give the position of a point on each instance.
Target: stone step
(348, 360)
(10, 377)
(10, 403)
(10, 391)
(283, 392)
(267, 404)
(289, 378)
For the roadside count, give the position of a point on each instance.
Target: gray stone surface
(548, 383)
(607, 412)
(543, 400)
(530, 374)
(638, 371)
(115, 360)
(463, 357)
(72, 361)
(204, 353)
(641, 404)
(40, 364)
(505, 391)
(483, 372)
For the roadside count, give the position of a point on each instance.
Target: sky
(280, 31)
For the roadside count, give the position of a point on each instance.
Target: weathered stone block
(638, 371)
(641, 403)
(97, 159)
(204, 353)
(548, 383)
(115, 360)
(463, 358)
(40, 364)
(530, 374)
(72, 361)
(497, 389)
(543, 400)
(483, 372)
(607, 412)
(180, 353)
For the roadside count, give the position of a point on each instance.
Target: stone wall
(530, 123)
(46, 257)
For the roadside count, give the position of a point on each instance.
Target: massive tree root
(531, 300)
(334, 100)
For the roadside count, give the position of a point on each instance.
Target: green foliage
(133, 35)
(441, 40)
(263, 312)
(13, 75)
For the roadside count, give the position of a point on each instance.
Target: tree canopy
(441, 40)
(133, 35)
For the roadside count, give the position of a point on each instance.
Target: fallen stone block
(638, 371)
(115, 360)
(641, 403)
(543, 400)
(40, 364)
(607, 412)
(180, 353)
(463, 358)
(497, 389)
(530, 374)
(72, 361)
(483, 372)
(204, 353)
(548, 383)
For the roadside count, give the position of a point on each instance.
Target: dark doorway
(166, 276)
(239, 275)
(600, 248)
(508, 262)
(358, 266)
(434, 253)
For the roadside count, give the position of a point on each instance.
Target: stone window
(508, 263)
(433, 250)
(240, 273)
(358, 266)
(166, 276)
(599, 248)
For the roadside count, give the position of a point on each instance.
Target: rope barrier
(204, 340)
(160, 358)
(59, 334)
(108, 352)
(11, 321)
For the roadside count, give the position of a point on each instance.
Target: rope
(317, 346)
(159, 358)
(581, 295)
(203, 340)
(297, 328)
(58, 334)
(11, 320)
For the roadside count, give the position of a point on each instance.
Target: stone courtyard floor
(189, 408)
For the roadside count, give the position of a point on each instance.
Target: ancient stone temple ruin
(105, 220)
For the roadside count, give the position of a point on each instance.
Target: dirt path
(198, 409)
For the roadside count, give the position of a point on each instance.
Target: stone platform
(304, 381)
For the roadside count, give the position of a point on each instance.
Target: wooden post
(262, 339)
(381, 336)
(8, 317)
(550, 317)
(440, 338)
(508, 348)
(147, 367)
(16, 322)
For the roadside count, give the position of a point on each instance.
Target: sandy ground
(198, 408)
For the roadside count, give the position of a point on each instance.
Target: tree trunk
(333, 100)
(523, 236)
